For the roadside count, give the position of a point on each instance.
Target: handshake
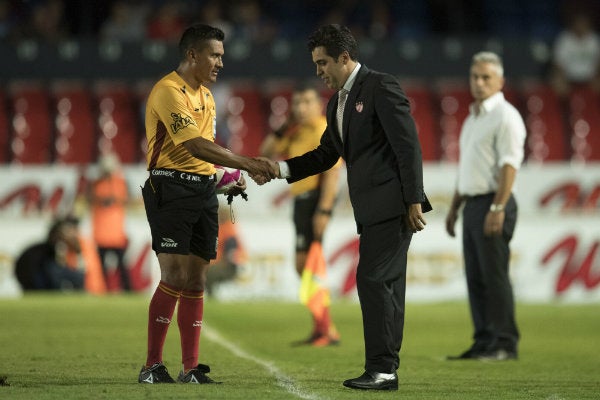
(262, 169)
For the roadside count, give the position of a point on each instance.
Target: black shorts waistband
(181, 176)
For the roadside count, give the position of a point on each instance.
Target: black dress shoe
(470, 354)
(373, 381)
(498, 354)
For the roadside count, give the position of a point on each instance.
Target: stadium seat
(76, 132)
(453, 100)
(246, 119)
(425, 117)
(278, 101)
(4, 131)
(31, 131)
(584, 124)
(542, 112)
(119, 121)
(141, 91)
(512, 95)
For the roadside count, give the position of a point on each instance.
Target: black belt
(186, 177)
(479, 196)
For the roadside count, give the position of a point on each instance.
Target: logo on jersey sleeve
(180, 122)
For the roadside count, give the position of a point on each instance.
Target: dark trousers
(381, 284)
(119, 254)
(487, 270)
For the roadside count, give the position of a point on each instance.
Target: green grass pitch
(84, 347)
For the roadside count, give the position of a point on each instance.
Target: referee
(180, 200)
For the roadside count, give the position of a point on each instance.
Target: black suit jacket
(380, 147)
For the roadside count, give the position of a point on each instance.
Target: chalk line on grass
(282, 380)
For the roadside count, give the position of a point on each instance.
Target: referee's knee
(176, 277)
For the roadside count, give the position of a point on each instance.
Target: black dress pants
(381, 284)
(487, 271)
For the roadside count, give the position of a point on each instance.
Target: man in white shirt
(491, 152)
(576, 56)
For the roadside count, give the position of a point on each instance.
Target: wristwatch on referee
(496, 207)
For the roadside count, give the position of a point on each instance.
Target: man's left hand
(493, 224)
(238, 188)
(415, 220)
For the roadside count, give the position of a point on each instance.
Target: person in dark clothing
(44, 266)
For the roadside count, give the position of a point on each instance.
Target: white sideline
(282, 380)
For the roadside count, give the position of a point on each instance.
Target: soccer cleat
(196, 375)
(326, 340)
(309, 340)
(331, 339)
(157, 373)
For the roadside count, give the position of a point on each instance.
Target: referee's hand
(239, 187)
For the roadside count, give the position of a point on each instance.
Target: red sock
(323, 322)
(189, 319)
(160, 313)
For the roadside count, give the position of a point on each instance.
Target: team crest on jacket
(359, 106)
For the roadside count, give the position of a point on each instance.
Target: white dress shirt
(492, 136)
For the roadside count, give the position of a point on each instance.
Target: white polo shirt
(491, 137)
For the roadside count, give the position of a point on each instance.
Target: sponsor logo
(193, 379)
(160, 172)
(180, 122)
(193, 178)
(197, 323)
(168, 242)
(149, 379)
(163, 320)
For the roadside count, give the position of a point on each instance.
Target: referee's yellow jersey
(175, 113)
(298, 140)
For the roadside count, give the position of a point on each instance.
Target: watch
(496, 207)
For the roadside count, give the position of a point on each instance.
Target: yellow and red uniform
(190, 114)
(298, 140)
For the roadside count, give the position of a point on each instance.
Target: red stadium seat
(142, 90)
(76, 132)
(4, 131)
(454, 99)
(119, 121)
(425, 117)
(584, 124)
(512, 95)
(546, 140)
(31, 130)
(246, 119)
(278, 103)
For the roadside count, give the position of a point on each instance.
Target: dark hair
(305, 87)
(58, 224)
(197, 33)
(336, 39)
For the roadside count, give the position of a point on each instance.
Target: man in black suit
(375, 134)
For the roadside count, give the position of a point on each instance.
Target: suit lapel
(351, 101)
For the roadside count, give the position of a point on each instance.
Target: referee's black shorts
(305, 206)
(182, 210)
